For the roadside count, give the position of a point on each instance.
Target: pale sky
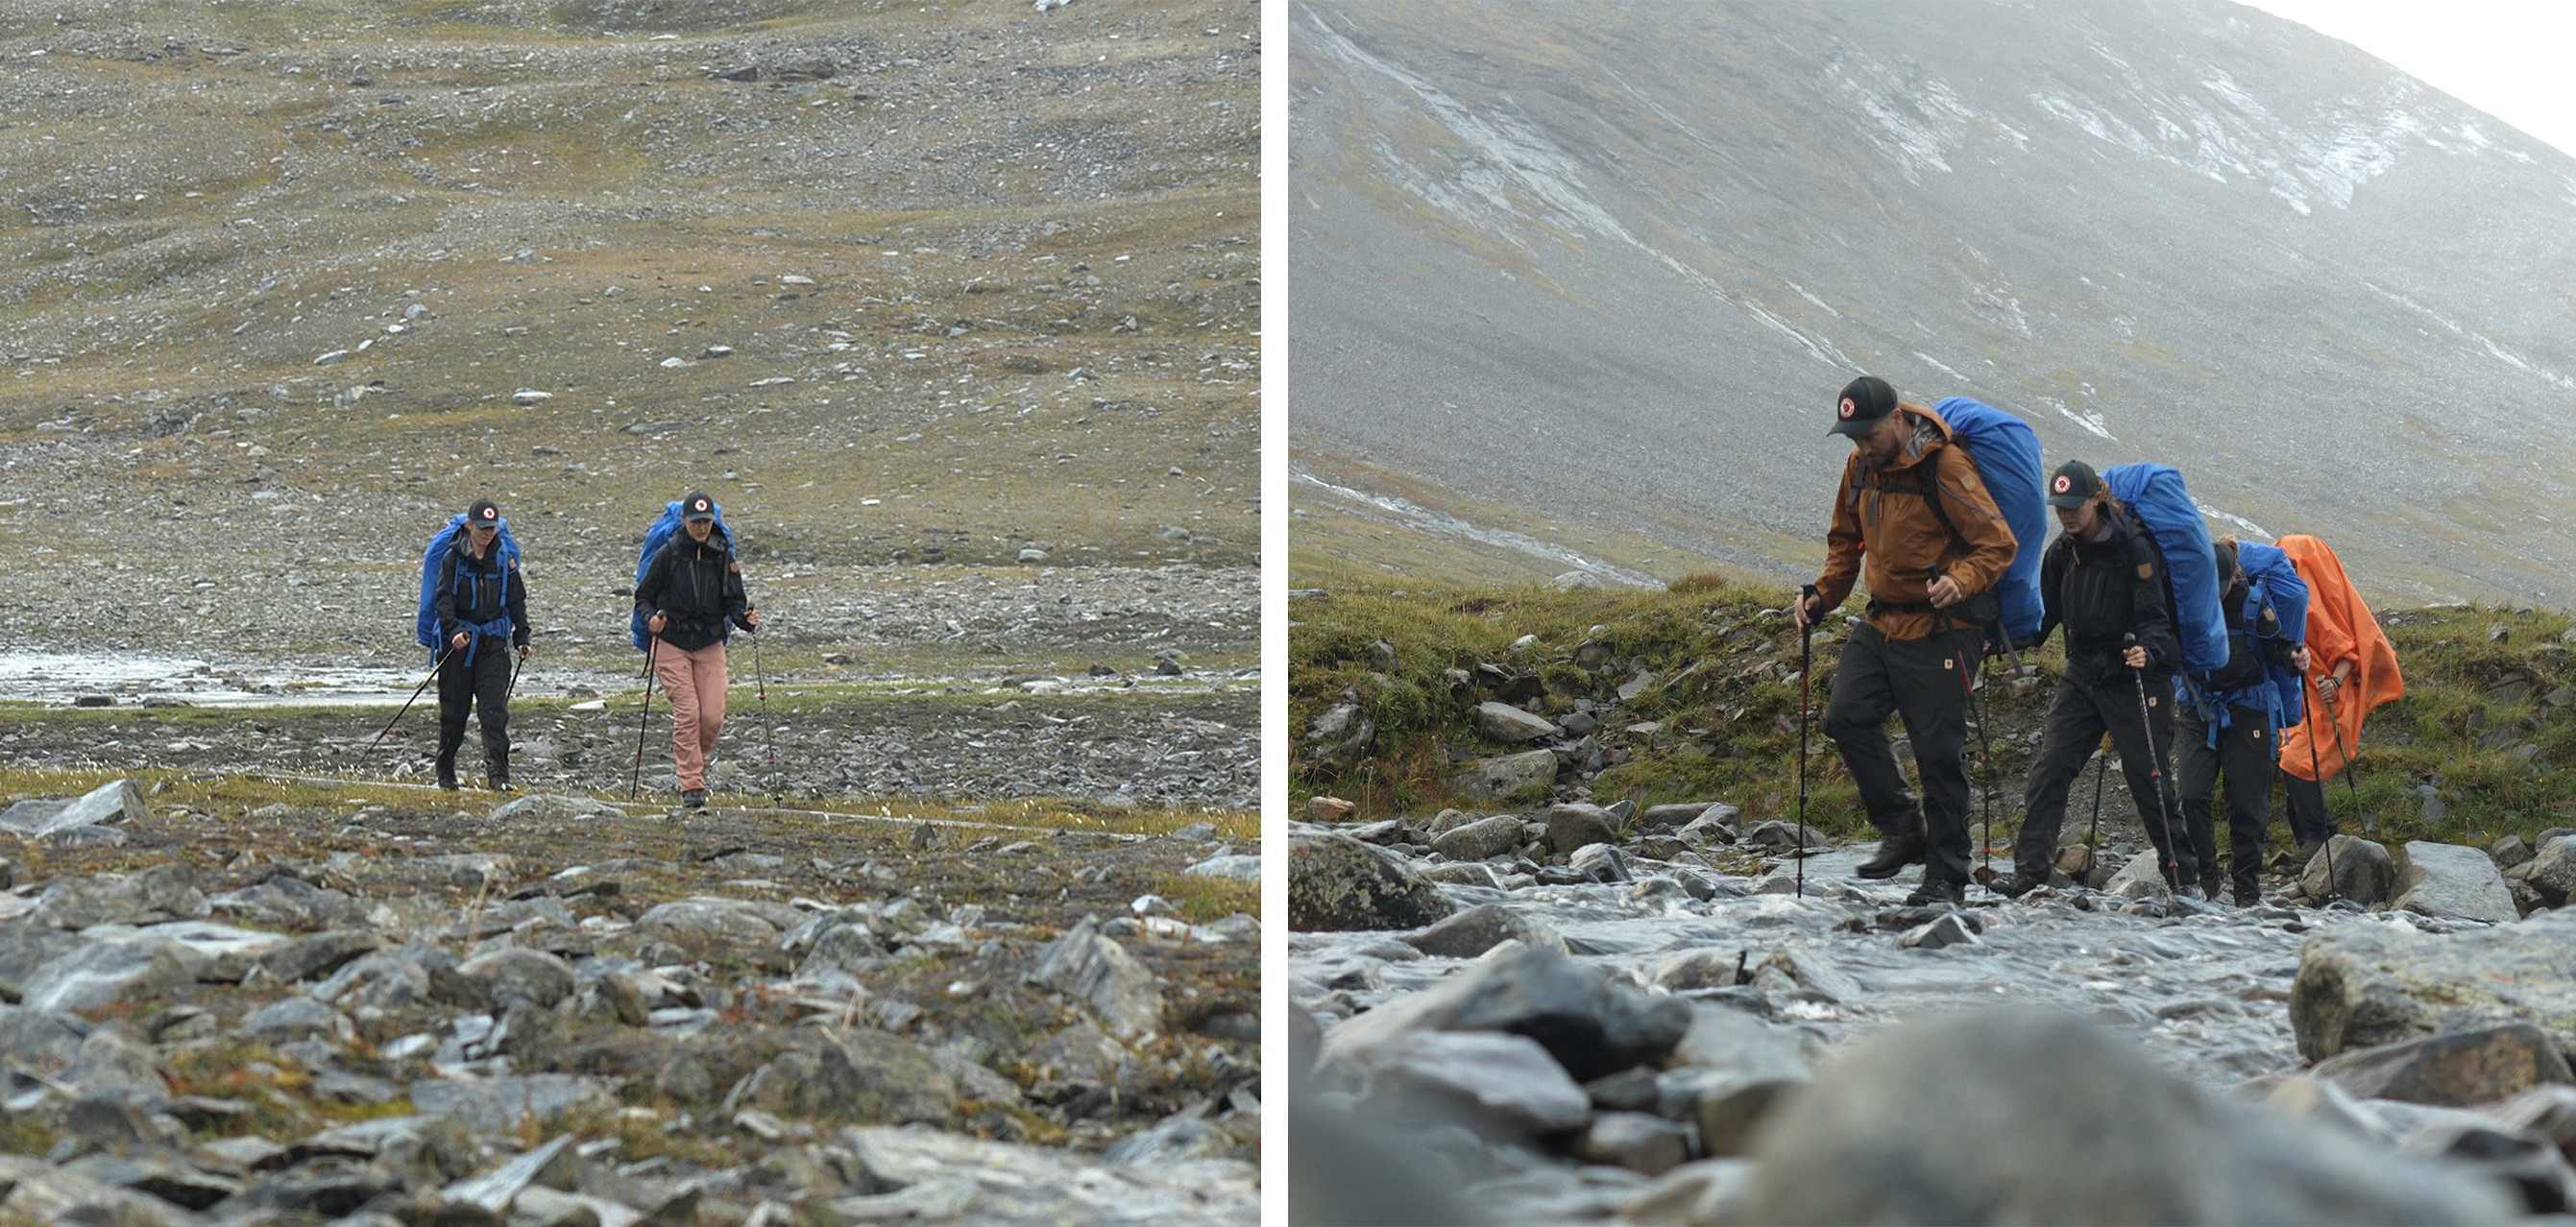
(2508, 58)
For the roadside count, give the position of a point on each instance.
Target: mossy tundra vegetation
(953, 307)
(2489, 714)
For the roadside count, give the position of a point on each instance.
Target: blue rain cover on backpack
(425, 624)
(2272, 573)
(2155, 497)
(655, 538)
(2007, 457)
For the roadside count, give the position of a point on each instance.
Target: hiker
(2227, 721)
(2352, 671)
(1910, 509)
(2103, 581)
(690, 598)
(479, 599)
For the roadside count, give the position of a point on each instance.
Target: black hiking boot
(2247, 896)
(447, 772)
(2015, 885)
(695, 798)
(1895, 852)
(496, 774)
(1934, 892)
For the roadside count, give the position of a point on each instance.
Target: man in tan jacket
(1911, 511)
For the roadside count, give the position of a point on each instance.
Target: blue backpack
(655, 538)
(2270, 574)
(2006, 453)
(425, 624)
(2155, 497)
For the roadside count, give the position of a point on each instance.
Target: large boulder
(1591, 1024)
(2036, 1117)
(2454, 881)
(1336, 882)
(2363, 872)
(1573, 826)
(1506, 1083)
(1506, 776)
(2453, 1069)
(1093, 969)
(2361, 985)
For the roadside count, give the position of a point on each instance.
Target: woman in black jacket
(691, 599)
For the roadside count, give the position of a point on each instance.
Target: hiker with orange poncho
(2351, 668)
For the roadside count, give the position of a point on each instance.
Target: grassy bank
(1716, 714)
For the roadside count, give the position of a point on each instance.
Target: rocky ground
(553, 1011)
(1585, 1014)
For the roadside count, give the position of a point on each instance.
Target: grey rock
(867, 1075)
(1476, 841)
(317, 954)
(1600, 862)
(1710, 828)
(1339, 883)
(712, 918)
(1570, 827)
(1709, 1191)
(160, 1175)
(2553, 871)
(1784, 836)
(1674, 817)
(1465, 873)
(2140, 879)
(1589, 1023)
(2022, 1098)
(500, 1105)
(1947, 931)
(291, 903)
(114, 801)
(40, 1041)
(100, 972)
(1511, 725)
(1179, 1138)
(1234, 866)
(2548, 1110)
(948, 1177)
(166, 891)
(2363, 872)
(1508, 1082)
(2364, 985)
(512, 974)
(1097, 971)
(2453, 881)
(1634, 1140)
(2453, 1069)
(288, 1019)
(1506, 776)
(1704, 967)
(1333, 723)
(1467, 934)
(2509, 852)
(552, 807)
(497, 1189)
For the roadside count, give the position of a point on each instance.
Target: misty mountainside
(1609, 264)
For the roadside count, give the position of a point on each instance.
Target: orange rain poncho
(2340, 628)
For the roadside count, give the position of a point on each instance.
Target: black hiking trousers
(2077, 718)
(2310, 820)
(2244, 756)
(484, 683)
(1925, 681)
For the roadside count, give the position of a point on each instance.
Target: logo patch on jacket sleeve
(2146, 570)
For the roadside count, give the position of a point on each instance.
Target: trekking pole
(2335, 719)
(520, 662)
(2093, 833)
(1806, 666)
(415, 697)
(635, 785)
(768, 735)
(2315, 770)
(1986, 747)
(2155, 768)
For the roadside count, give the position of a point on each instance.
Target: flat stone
(2453, 881)
(1339, 883)
(317, 954)
(2363, 985)
(1705, 1191)
(2553, 871)
(711, 917)
(1600, 862)
(1675, 816)
(100, 972)
(1462, 873)
(1947, 931)
(1704, 967)
(513, 974)
(288, 1019)
(1634, 1140)
(2140, 879)
(1511, 725)
(2509, 852)
(499, 1105)
(1232, 866)
(553, 807)
(1711, 828)
(1097, 971)
(1005, 1183)
(167, 891)
(2451, 1069)
(114, 801)
(1589, 1023)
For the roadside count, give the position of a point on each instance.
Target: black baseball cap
(1864, 401)
(2073, 483)
(483, 514)
(697, 507)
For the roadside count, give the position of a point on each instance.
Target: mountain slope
(1609, 264)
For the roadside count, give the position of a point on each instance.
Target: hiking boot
(2247, 896)
(2015, 885)
(447, 772)
(1933, 892)
(1895, 852)
(496, 776)
(694, 798)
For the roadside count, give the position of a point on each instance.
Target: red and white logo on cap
(699, 505)
(491, 513)
(2064, 484)
(1847, 408)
